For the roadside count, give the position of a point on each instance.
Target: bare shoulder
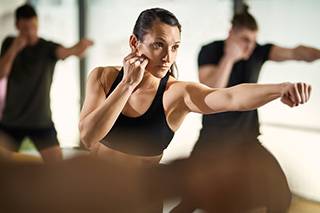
(105, 76)
(173, 83)
(177, 90)
(183, 86)
(104, 73)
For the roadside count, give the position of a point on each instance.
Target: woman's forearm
(98, 123)
(245, 97)
(251, 96)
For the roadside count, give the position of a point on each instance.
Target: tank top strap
(116, 81)
(162, 86)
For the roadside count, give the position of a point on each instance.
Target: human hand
(233, 50)
(19, 43)
(134, 67)
(82, 46)
(294, 94)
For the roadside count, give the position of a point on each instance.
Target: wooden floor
(300, 205)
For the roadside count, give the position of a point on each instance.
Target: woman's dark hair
(145, 22)
(244, 20)
(25, 11)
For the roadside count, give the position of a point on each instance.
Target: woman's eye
(175, 47)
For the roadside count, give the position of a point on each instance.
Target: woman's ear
(133, 42)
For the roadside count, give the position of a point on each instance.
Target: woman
(130, 113)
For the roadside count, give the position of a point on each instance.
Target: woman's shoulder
(105, 75)
(174, 83)
(185, 88)
(176, 87)
(105, 71)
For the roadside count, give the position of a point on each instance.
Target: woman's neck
(148, 82)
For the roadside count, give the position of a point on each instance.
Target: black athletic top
(232, 126)
(29, 82)
(148, 134)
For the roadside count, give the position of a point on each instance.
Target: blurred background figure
(236, 60)
(28, 62)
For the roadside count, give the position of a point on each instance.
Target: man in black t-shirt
(236, 60)
(28, 62)
(226, 127)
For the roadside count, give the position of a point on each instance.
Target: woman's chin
(159, 72)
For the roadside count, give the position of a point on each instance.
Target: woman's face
(160, 45)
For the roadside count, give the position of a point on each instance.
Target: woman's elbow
(85, 136)
(87, 144)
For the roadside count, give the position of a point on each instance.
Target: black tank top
(148, 134)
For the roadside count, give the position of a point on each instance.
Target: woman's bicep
(95, 93)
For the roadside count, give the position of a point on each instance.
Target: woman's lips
(164, 66)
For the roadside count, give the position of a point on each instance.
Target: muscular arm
(243, 97)
(299, 53)
(98, 113)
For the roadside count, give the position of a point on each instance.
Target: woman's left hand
(294, 94)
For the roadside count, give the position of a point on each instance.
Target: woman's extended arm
(243, 97)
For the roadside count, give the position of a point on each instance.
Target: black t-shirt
(29, 83)
(233, 125)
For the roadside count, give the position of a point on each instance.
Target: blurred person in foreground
(88, 184)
